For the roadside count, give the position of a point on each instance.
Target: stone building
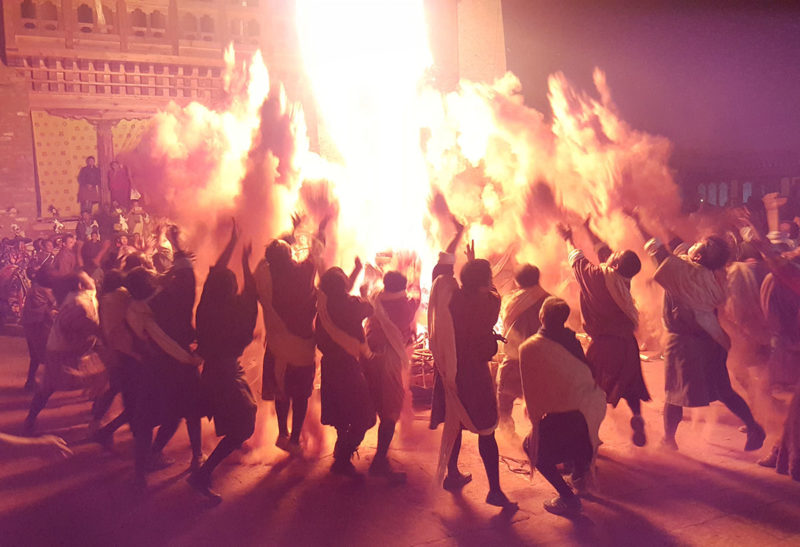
(82, 77)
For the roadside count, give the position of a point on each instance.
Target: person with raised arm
(339, 333)
(390, 331)
(610, 318)
(697, 347)
(289, 303)
(225, 323)
(461, 320)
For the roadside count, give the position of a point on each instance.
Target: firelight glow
(365, 60)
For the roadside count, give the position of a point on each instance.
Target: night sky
(714, 81)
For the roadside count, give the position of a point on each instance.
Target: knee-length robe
(697, 347)
(346, 401)
(610, 318)
(389, 332)
(225, 324)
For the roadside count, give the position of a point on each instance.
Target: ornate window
(712, 193)
(27, 10)
(85, 14)
(158, 24)
(207, 27)
(139, 22)
(48, 12)
(189, 26)
(253, 28)
(722, 197)
(747, 191)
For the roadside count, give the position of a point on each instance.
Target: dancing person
(73, 335)
(461, 321)
(697, 347)
(520, 316)
(155, 348)
(346, 402)
(565, 406)
(37, 319)
(390, 331)
(225, 323)
(118, 356)
(610, 317)
(173, 310)
(289, 303)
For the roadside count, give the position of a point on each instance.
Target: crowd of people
(122, 318)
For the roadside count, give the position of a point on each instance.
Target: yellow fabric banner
(127, 134)
(62, 145)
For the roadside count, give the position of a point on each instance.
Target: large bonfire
(507, 171)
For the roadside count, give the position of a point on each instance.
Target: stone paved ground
(711, 493)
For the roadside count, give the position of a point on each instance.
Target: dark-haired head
(394, 282)
(712, 252)
(554, 313)
(476, 274)
(334, 282)
(140, 282)
(626, 263)
(278, 253)
(527, 276)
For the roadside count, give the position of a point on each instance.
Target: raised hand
(565, 231)
(357, 265)
(773, 200)
(247, 250)
(234, 231)
(297, 219)
(470, 251)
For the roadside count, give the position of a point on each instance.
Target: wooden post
(122, 24)
(105, 155)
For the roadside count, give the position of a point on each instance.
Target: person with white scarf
(565, 406)
(610, 317)
(520, 316)
(697, 348)
(346, 402)
(462, 341)
(390, 331)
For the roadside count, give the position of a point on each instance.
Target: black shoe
(202, 483)
(755, 438)
(345, 468)
(639, 438)
(498, 499)
(453, 483)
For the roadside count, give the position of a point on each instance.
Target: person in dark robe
(154, 405)
(88, 185)
(610, 317)
(66, 261)
(520, 316)
(565, 406)
(462, 341)
(346, 402)
(37, 319)
(173, 311)
(225, 323)
(697, 347)
(119, 185)
(390, 331)
(781, 308)
(289, 303)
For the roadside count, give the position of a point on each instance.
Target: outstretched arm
(600, 247)
(565, 231)
(225, 257)
(453, 245)
(351, 280)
